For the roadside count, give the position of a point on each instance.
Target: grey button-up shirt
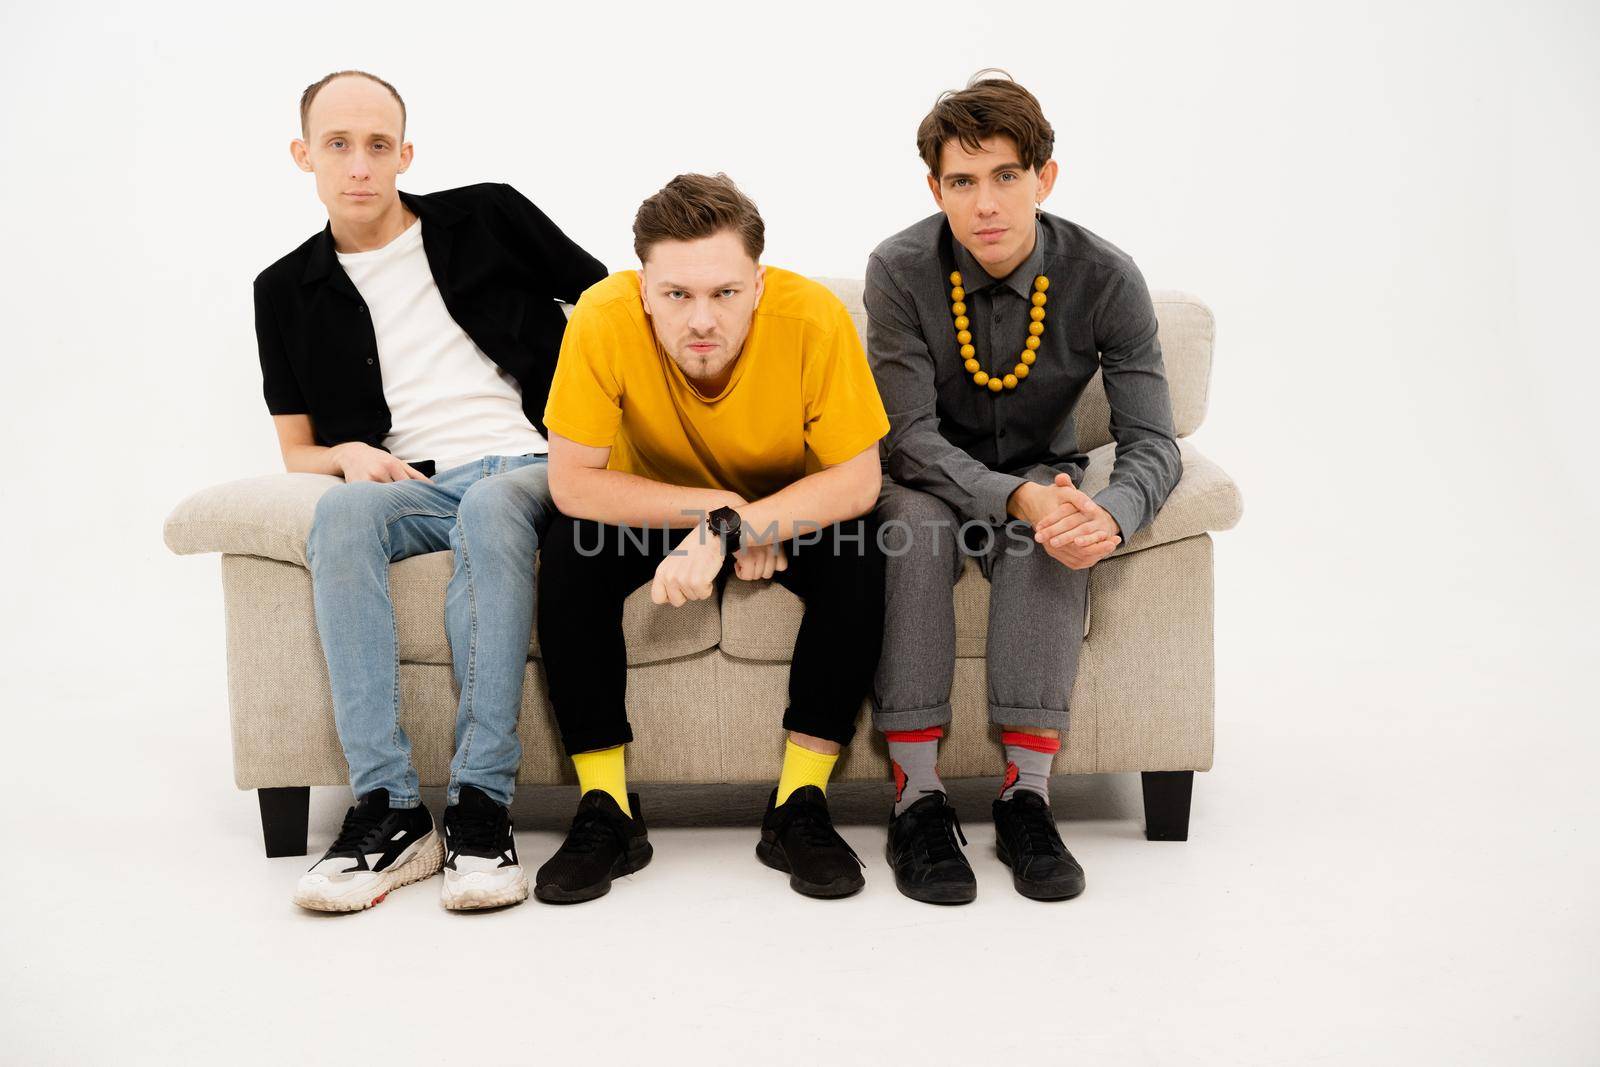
(971, 447)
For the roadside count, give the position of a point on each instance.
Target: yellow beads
(969, 354)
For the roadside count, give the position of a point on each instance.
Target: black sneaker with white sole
(603, 843)
(378, 849)
(480, 864)
(798, 837)
(1027, 839)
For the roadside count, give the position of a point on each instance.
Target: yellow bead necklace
(970, 354)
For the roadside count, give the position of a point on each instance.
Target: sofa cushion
(654, 633)
(270, 517)
(760, 619)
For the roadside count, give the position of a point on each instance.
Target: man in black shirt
(408, 348)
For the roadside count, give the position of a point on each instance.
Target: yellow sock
(803, 767)
(603, 770)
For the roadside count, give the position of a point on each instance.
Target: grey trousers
(1036, 615)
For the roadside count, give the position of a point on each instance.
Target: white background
(1391, 210)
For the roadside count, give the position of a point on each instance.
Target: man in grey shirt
(986, 322)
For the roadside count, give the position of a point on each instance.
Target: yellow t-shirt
(801, 397)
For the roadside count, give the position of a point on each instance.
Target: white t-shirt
(448, 402)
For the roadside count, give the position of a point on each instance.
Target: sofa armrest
(268, 516)
(1205, 500)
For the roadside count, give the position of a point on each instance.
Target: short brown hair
(692, 206)
(316, 87)
(988, 107)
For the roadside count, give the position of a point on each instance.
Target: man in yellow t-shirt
(708, 415)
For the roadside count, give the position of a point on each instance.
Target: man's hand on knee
(360, 462)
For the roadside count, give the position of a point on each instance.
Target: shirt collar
(430, 209)
(1019, 281)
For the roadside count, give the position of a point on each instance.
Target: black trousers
(588, 569)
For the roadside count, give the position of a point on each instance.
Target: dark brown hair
(316, 87)
(988, 107)
(692, 206)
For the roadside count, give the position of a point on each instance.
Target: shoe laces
(811, 824)
(932, 834)
(1039, 836)
(473, 832)
(591, 829)
(360, 824)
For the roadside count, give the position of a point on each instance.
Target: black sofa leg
(285, 813)
(1166, 804)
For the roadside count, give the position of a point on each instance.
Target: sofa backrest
(1185, 329)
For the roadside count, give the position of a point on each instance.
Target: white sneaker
(480, 867)
(378, 849)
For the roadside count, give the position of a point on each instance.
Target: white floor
(1385, 867)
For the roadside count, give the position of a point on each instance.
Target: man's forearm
(312, 459)
(618, 498)
(922, 458)
(816, 501)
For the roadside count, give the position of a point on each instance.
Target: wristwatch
(726, 524)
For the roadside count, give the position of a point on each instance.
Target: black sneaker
(480, 864)
(1026, 837)
(799, 838)
(928, 865)
(378, 849)
(603, 844)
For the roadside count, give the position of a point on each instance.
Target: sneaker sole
(470, 899)
(932, 894)
(772, 856)
(1062, 890)
(426, 862)
(634, 859)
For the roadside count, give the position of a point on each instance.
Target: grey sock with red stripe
(1028, 759)
(914, 755)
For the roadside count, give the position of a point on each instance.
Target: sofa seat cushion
(653, 633)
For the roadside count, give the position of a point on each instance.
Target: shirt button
(361, 307)
(1001, 432)
(369, 361)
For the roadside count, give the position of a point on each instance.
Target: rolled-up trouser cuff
(911, 718)
(814, 724)
(1043, 718)
(591, 740)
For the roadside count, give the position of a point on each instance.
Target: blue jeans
(490, 513)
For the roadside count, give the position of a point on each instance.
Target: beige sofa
(707, 682)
